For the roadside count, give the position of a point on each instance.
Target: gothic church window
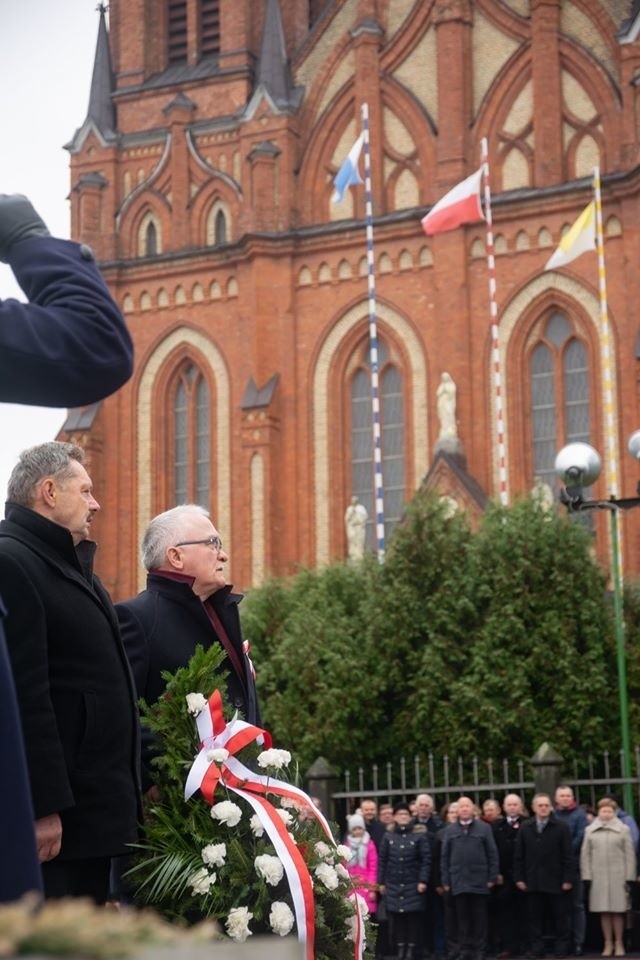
(186, 20)
(392, 439)
(149, 236)
(177, 31)
(559, 380)
(217, 230)
(190, 452)
(209, 27)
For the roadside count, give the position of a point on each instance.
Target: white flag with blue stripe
(348, 172)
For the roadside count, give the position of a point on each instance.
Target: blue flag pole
(373, 343)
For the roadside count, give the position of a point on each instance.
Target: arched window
(392, 439)
(559, 371)
(217, 224)
(151, 240)
(220, 229)
(191, 452)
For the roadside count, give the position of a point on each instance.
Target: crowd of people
(469, 883)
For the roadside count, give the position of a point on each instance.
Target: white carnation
(237, 923)
(322, 849)
(269, 868)
(227, 812)
(274, 759)
(344, 852)
(196, 703)
(218, 755)
(256, 826)
(360, 906)
(201, 880)
(342, 871)
(285, 816)
(327, 875)
(280, 918)
(214, 854)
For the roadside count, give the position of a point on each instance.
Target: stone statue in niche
(355, 522)
(446, 397)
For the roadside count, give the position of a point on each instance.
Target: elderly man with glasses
(187, 602)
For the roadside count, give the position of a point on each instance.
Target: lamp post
(578, 465)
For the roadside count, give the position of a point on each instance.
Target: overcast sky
(46, 60)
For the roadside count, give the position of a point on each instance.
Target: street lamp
(578, 465)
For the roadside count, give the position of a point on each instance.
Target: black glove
(18, 221)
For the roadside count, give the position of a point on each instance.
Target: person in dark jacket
(68, 346)
(74, 686)
(544, 870)
(187, 603)
(448, 814)
(404, 865)
(469, 869)
(510, 900)
(432, 930)
(567, 810)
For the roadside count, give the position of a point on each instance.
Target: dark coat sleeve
(26, 634)
(69, 346)
(519, 858)
(568, 860)
(20, 868)
(135, 638)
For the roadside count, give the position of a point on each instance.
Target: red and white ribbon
(206, 774)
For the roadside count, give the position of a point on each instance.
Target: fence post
(546, 763)
(321, 780)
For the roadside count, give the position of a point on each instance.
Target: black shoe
(578, 951)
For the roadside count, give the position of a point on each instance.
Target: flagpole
(611, 433)
(605, 344)
(373, 342)
(495, 341)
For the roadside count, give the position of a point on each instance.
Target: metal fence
(446, 778)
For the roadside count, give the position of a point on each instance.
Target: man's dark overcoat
(544, 861)
(69, 346)
(161, 629)
(404, 861)
(74, 686)
(469, 858)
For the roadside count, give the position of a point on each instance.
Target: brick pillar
(179, 113)
(453, 31)
(547, 93)
(367, 36)
(263, 159)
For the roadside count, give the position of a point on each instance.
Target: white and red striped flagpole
(373, 343)
(495, 340)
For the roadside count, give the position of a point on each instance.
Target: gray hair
(163, 532)
(51, 459)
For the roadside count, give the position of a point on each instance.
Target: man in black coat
(510, 900)
(187, 603)
(469, 869)
(431, 939)
(544, 870)
(73, 682)
(69, 346)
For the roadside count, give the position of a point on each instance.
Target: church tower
(202, 176)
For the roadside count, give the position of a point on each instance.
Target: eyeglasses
(214, 542)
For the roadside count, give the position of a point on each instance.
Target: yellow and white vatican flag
(576, 241)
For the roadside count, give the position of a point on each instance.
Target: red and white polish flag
(460, 205)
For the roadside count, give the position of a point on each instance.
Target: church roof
(101, 110)
(101, 115)
(273, 74)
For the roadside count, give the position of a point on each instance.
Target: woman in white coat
(608, 860)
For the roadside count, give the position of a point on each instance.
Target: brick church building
(202, 176)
